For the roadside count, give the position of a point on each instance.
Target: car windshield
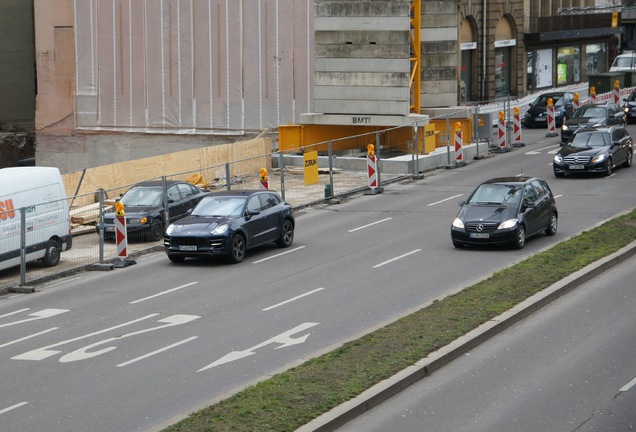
(590, 112)
(496, 194)
(143, 196)
(624, 62)
(542, 101)
(231, 206)
(590, 139)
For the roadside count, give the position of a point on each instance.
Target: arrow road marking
(29, 337)
(82, 354)
(45, 352)
(284, 339)
(44, 313)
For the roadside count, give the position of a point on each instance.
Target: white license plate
(480, 235)
(187, 248)
(109, 229)
(541, 119)
(576, 167)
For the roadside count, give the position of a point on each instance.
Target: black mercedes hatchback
(505, 211)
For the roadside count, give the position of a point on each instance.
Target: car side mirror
(461, 203)
(251, 213)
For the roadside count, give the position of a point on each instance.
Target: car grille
(576, 160)
(481, 227)
(200, 243)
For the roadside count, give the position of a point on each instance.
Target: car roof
(510, 180)
(239, 193)
(602, 129)
(155, 183)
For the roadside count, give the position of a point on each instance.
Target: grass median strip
(294, 397)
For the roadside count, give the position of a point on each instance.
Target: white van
(624, 63)
(40, 191)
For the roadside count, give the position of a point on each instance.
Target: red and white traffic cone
(459, 145)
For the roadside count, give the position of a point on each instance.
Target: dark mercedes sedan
(594, 150)
(505, 211)
(229, 223)
(603, 114)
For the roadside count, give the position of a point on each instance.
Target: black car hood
(135, 211)
(487, 213)
(585, 121)
(195, 225)
(583, 151)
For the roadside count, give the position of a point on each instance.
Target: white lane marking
(629, 385)
(63, 281)
(558, 196)
(162, 293)
(13, 313)
(284, 339)
(28, 337)
(444, 200)
(12, 407)
(368, 225)
(291, 299)
(538, 151)
(160, 350)
(280, 254)
(83, 354)
(397, 258)
(533, 152)
(44, 313)
(44, 352)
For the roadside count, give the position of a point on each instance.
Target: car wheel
(608, 167)
(628, 161)
(237, 253)
(520, 238)
(52, 254)
(176, 258)
(286, 234)
(553, 224)
(156, 230)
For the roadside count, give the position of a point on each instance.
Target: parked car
(145, 209)
(505, 211)
(229, 223)
(594, 150)
(602, 114)
(537, 113)
(624, 63)
(629, 107)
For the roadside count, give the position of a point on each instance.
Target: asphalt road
(139, 347)
(569, 367)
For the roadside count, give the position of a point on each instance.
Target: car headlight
(564, 127)
(458, 223)
(510, 223)
(626, 109)
(170, 229)
(599, 158)
(221, 229)
(558, 159)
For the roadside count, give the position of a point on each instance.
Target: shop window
(502, 72)
(595, 58)
(568, 65)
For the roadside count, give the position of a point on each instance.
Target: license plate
(576, 167)
(187, 248)
(109, 229)
(541, 119)
(480, 235)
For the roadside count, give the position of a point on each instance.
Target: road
(569, 367)
(139, 347)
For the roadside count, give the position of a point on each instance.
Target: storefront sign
(468, 46)
(505, 43)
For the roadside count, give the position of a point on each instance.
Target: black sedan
(537, 114)
(144, 206)
(605, 114)
(629, 107)
(594, 150)
(229, 223)
(505, 211)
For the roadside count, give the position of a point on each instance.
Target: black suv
(602, 114)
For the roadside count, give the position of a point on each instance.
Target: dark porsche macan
(594, 150)
(229, 223)
(537, 114)
(505, 211)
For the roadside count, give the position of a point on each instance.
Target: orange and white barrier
(576, 103)
(372, 167)
(121, 235)
(459, 144)
(502, 131)
(516, 127)
(264, 179)
(593, 95)
(617, 92)
(551, 121)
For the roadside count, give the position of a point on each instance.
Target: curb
(349, 410)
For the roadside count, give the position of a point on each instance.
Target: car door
(619, 146)
(530, 209)
(543, 204)
(175, 202)
(256, 224)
